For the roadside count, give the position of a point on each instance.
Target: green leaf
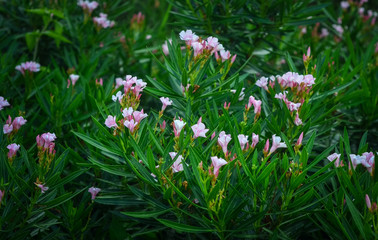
(183, 227)
(150, 214)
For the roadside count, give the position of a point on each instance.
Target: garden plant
(188, 119)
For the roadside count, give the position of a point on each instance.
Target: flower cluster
(206, 47)
(12, 127)
(137, 21)
(28, 66)
(133, 88)
(3, 103)
(366, 159)
(46, 150)
(87, 6)
(103, 22)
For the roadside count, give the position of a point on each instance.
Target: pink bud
(368, 203)
(266, 148)
(233, 59)
(212, 135)
(299, 142)
(308, 52)
(162, 126)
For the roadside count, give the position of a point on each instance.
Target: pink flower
(74, 78)
(139, 86)
(355, 159)
(88, 6)
(217, 163)
(225, 55)
(42, 187)
(3, 103)
(338, 28)
(118, 96)
(177, 165)
(7, 128)
(197, 48)
(368, 161)
(212, 42)
(165, 47)
(243, 140)
(223, 140)
(292, 106)
(334, 157)
(111, 122)
(18, 122)
(119, 82)
(276, 143)
(368, 202)
(100, 82)
(163, 125)
(344, 4)
(306, 57)
(263, 83)
(188, 36)
(45, 140)
(255, 140)
(297, 120)
(324, 33)
(256, 104)
(199, 129)
(139, 115)
(128, 113)
(28, 66)
(13, 148)
(131, 125)
(166, 102)
(94, 191)
(177, 127)
(103, 22)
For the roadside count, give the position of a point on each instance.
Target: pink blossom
(42, 187)
(281, 96)
(226, 106)
(74, 78)
(324, 33)
(118, 96)
(334, 157)
(276, 143)
(18, 122)
(256, 104)
(368, 161)
(100, 82)
(130, 125)
(102, 21)
(338, 28)
(225, 55)
(297, 120)
(128, 113)
(139, 115)
(13, 148)
(223, 140)
(111, 122)
(177, 127)
(7, 128)
(94, 191)
(355, 159)
(292, 106)
(188, 36)
(28, 66)
(255, 140)
(3, 103)
(243, 140)
(197, 48)
(217, 163)
(177, 165)
(165, 47)
(199, 129)
(212, 42)
(166, 102)
(119, 82)
(263, 83)
(344, 4)
(139, 86)
(368, 202)
(88, 6)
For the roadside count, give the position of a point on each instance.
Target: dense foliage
(158, 119)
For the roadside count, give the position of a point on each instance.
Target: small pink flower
(42, 187)
(131, 125)
(111, 122)
(166, 102)
(256, 104)
(368, 161)
(276, 143)
(356, 160)
(217, 163)
(18, 122)
(163, 125)
(118, 96)
(324, 33)
(334, 157)
(3, 103)
(226, 106)
(199, 129)
(13, 148)
(28, 66)
(119, 82)
(212, 42)
(255, 140)
(94, 191)
(197, 48)
(344, 4)
(243, 140)
(177, 165)
(225, 55)
(128, 113)
(7, 128)
(139, 86)
(165, 47)
(100, 82)
(368, 202)
(263, 83)
(178, 126)
(223, 140)
(188, 36)
(102, 21)
(139, 115)
(297, 120)
(74, 78)
(88, 6)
